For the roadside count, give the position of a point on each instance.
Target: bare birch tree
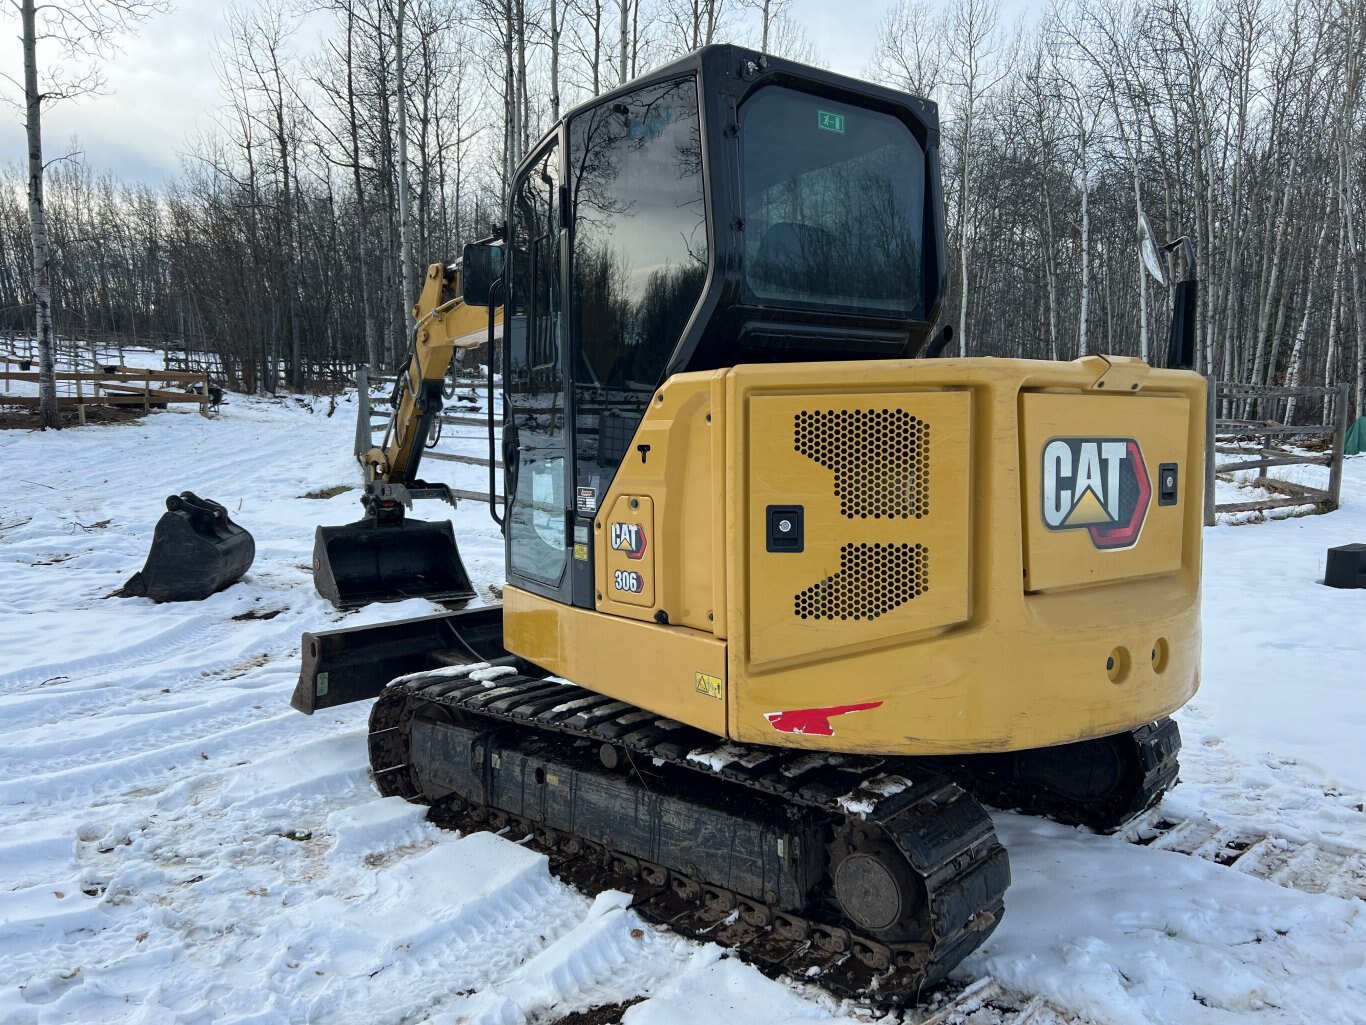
(85, 32)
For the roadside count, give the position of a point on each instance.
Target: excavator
(790, 595)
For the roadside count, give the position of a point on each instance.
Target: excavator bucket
(365, 561)
(196, 551)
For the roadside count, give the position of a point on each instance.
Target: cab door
(536, 421)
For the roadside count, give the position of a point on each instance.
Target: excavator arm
(385, 556)
(443, 324)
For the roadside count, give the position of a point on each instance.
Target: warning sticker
(581, 552)
(709, 685)
(586, 500)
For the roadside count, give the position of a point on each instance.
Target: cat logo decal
(1099, 485)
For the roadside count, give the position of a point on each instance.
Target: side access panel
(875, 489)
(1091, 468)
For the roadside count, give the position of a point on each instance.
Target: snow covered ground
(177, 845)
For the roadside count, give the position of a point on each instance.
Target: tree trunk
(1083, 326)
(405, 242)
(48, 415)
(625, 39)
(554, 61)
(1292, 373)
(372, 353)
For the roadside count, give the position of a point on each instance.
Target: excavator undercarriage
(870, 875)
(732, 844)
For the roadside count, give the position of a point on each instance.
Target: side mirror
(481, 266)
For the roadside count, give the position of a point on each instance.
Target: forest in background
(279, 249)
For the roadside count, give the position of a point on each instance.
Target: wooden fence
(1249, 427)
(121, 387)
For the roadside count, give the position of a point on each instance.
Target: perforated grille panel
(873, 580)
(880, 458)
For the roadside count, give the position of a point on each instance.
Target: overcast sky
(162, 87)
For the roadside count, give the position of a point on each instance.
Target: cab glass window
(535, 422)
(639, 259)
(834, 206)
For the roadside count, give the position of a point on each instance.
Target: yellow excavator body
(931, 608)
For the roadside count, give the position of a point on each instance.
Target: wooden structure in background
(1249, 427)
(122, 387)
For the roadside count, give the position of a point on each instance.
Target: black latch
(785, 528)
(1166, 484)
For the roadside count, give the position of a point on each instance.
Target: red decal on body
(815, 721)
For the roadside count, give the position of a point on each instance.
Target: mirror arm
(1181, 342)
(1187, 248)
(495, 286)
(938, 343)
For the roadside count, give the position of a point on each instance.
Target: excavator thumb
(386, 557)
(196, 551)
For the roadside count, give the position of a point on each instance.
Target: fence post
(1211, 406)
(1339, 445)
(363, 439)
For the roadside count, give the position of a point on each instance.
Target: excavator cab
(671, 228)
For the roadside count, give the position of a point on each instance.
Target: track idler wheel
(877, 889)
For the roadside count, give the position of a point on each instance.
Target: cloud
(162, 88)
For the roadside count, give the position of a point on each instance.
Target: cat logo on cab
(629, 538)
(1100, 485)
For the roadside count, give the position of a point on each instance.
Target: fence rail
(1257, 431)
(121, 387)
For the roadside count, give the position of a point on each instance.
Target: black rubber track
(944, 835)
(1144, 764)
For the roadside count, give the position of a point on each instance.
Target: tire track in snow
(1325, 853)
(989, 1002)
(37, 710)
(1313, 866)
(154, 732)
(606, 957)
(138, 774)
(190, 633)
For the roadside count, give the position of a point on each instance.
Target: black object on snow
(369, 561)
(196, 551)
(1346, 566)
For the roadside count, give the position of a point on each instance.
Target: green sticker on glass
(830, 122)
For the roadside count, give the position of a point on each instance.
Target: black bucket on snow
(365, 562)
(196, 551)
